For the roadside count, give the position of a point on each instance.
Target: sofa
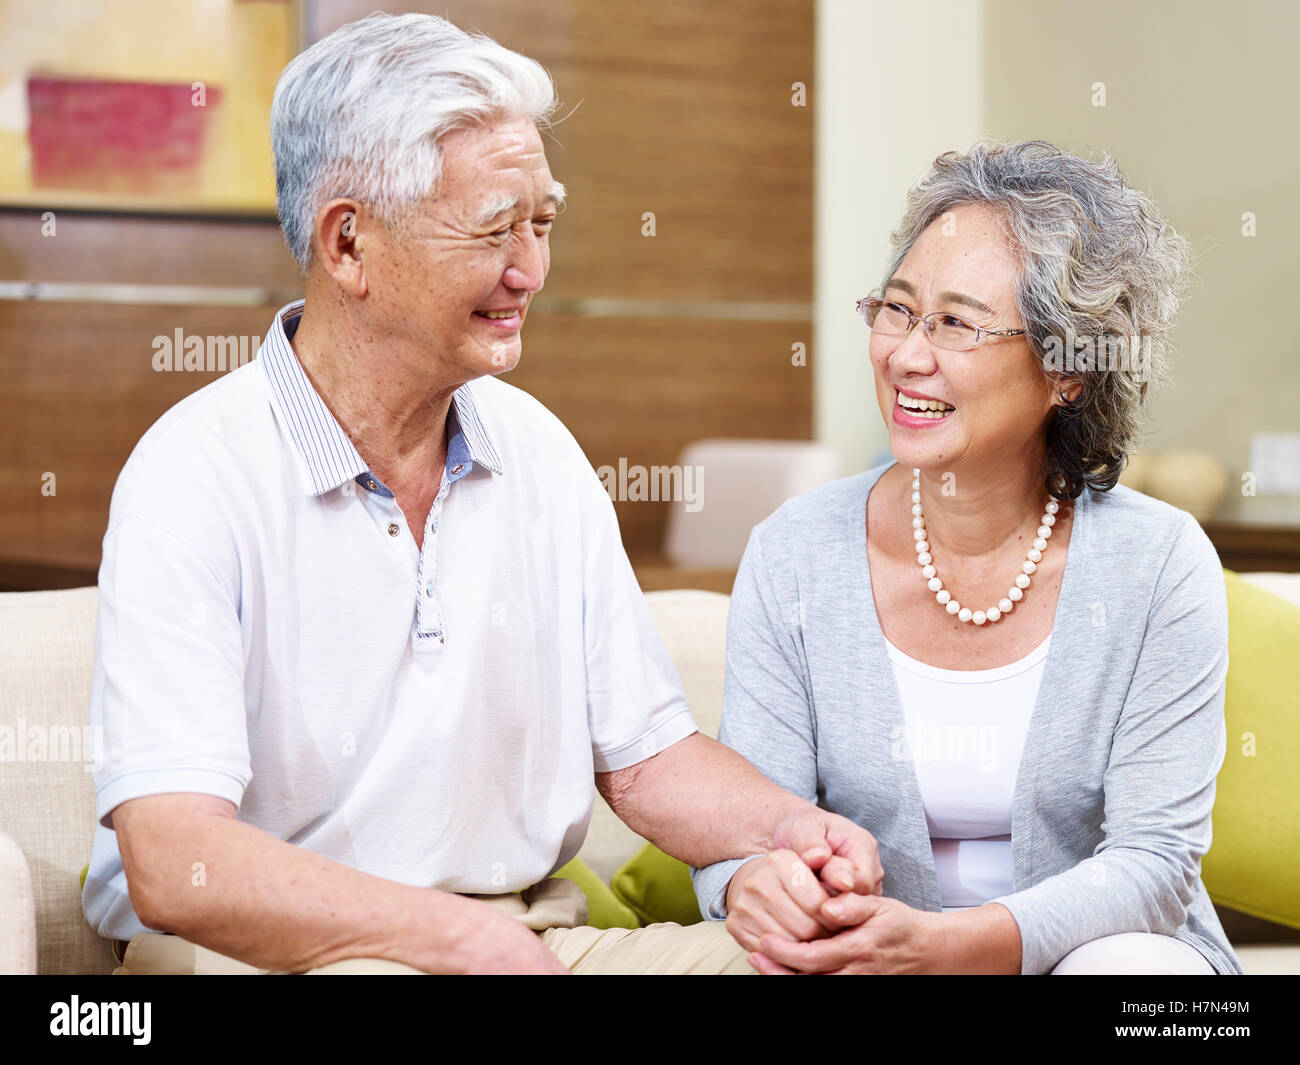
(47, 795)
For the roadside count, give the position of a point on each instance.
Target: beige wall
(1201, 102)
(884, 110)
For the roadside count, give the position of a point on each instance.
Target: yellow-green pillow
(656, 888)
(604, 910)
(1251, 865)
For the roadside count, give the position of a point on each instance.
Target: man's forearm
(279, 906)
(700, 801)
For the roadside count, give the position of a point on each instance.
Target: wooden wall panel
(683, 109)
(144, 250)
(641, 389)
(79, 390)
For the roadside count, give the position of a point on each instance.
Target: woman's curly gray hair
(1097, 262)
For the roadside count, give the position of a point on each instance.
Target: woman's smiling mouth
(918, 412)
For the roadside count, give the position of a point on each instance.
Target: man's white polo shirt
(269, 633)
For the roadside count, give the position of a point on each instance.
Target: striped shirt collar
(328, 457)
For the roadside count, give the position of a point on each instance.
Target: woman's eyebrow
(950, 297)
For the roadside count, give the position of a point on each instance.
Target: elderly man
(366, 626)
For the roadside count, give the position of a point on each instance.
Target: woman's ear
(1068, 392)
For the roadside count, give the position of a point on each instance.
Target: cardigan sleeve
(1168, 746)
(765, 704)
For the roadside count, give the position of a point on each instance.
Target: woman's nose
(914, 351)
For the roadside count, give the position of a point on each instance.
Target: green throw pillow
(604, 910)
(1251, 865)
(657, 888)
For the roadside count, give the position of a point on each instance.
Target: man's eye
(501, 234)
(543, 224)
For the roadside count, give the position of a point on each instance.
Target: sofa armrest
(17, 911)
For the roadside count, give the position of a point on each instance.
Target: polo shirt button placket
(427, 600)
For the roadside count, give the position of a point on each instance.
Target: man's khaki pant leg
(704, 949)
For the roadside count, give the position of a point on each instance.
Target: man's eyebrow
(948, 297)
(495, 209)
(506, 205)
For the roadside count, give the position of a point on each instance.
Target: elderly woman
(1005, 666)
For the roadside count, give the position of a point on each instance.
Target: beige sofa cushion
(694, 627)
(17, 911)
(47, 805)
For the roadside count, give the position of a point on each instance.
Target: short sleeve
(635, 703)
(766, 708)
(167, 700)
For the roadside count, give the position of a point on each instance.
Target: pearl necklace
(944, 598)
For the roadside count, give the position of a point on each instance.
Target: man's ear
(341, 227)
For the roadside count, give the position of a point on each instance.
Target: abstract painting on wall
(147, 105)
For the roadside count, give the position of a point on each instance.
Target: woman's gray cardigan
(1112, 803)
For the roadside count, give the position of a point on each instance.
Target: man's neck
(400, 435)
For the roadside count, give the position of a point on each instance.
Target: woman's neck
(972, 517)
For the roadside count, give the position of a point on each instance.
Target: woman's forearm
(983, 939)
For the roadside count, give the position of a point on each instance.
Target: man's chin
(503, 356)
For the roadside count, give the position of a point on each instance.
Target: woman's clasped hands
(797, 914)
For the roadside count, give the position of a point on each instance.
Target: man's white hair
(360, 113)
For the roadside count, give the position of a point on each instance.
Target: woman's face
(962, 264)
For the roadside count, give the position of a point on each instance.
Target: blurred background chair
(740, 483)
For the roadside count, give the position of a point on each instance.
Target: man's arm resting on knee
(702, 802)
(279, 906)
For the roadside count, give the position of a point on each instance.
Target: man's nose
(527, 269)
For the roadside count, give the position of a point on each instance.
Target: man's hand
(819, 856)
(497, 943)
(778, 895)
(842, 854)
(881, 935)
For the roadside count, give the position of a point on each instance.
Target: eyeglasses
(945, 330)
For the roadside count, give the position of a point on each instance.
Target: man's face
(457, 280)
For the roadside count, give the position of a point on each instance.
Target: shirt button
(394, 529)
(435, 526)
(457, 468)
(372, 485)
(428, 589)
